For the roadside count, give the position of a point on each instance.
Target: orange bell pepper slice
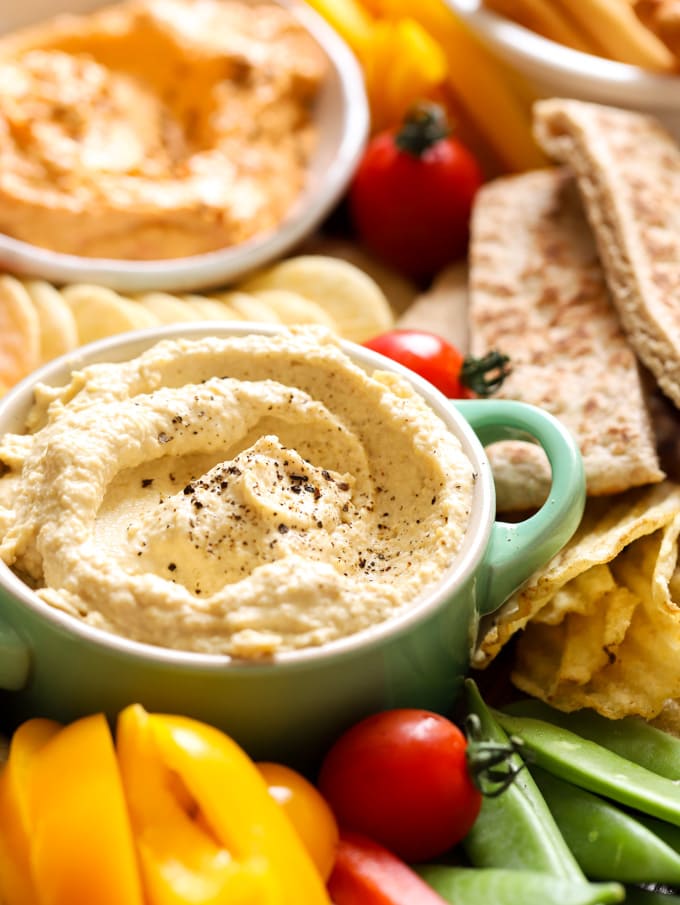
(207, 830)
(82, 851)
(307, 810)
(16, 877)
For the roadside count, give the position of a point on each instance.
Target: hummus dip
(244, 495)
(155, 128)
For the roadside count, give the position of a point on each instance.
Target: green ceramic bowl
(53, 665)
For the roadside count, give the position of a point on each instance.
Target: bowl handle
(516, 550)
(15, 660)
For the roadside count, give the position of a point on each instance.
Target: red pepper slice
(366, 873)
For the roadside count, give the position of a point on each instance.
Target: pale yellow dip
(244, 495)
(155, 128)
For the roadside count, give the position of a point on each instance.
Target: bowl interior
(556, 70)
(15, 405)
(342, 117)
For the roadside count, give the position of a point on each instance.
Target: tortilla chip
(669, 718)
(607, 527)
(592, 639)
(578, 595)
(570, 653)
(608, 637)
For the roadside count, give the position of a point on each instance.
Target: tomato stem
(492, 765)
(485, 375)
(424, 125)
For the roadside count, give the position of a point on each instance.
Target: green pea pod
(590, 766)
(605, 841)
(666, 831)
(474, 886)
(515, 830)
(631, 737)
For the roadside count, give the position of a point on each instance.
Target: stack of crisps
(39, 321)
(601, 622)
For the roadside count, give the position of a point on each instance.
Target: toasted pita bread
(628, 172)
(537, 293)
(443, 309)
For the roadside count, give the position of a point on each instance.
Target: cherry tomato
(307, 810)
(428, 355)
(400, 778)
(412, 193)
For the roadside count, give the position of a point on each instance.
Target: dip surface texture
(156, 128)
(243, 495)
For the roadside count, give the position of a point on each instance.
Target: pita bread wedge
(538, 293)
(443, 308)
(628, 173)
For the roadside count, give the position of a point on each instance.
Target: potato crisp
(19, 333)
(602, 620)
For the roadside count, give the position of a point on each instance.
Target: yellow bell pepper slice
(480, 82)
(207, 830)
(348, 17)
(307, 810)
(402, 64)
(82, 851)
(16, 878)
(180, 858)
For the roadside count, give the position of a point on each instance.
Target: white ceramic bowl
(557, 71)
(342, 119)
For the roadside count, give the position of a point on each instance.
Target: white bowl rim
(656, 90)
(220, 266)
(464, 563)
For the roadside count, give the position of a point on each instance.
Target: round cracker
(293, 308)
(250, 307)
(353, 300)
(101, 312)
(400, 292)
(19, 333)
(211, 309)
(58, 328)
(168, 308)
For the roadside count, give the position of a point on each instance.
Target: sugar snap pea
(595, 768)
(473, 886)
(605, 841)
(631, 737)
(515, 830)
(666, 831)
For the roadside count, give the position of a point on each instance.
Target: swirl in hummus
(155, 128)
(243, 495)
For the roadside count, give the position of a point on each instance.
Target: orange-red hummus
(155, 128)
